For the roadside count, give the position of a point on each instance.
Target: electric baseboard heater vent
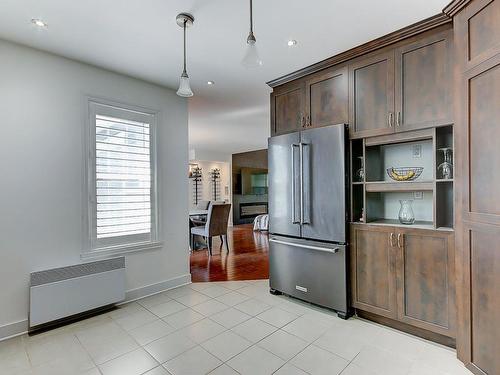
(64, 292)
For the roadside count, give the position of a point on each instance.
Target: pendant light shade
(184, 20)
(251, 58)
(184, 87)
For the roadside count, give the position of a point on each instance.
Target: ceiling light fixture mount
(38, 22)
(292, 42)
(184, 20)
(251, 58)
(210, 83)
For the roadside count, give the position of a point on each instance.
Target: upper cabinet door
(327, 98)
(372, 96)
(287, 109)
(423, 83)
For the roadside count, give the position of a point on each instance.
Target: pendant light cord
(251, 17)
(184, 71)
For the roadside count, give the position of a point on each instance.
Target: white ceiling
(140, 38)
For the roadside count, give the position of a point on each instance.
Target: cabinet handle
(398, 119)
(400, 240)
(391, 240)
(391, 119)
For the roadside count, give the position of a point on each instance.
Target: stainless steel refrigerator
(308, 216)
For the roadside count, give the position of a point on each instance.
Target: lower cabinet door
(373, 274)
(425, 280)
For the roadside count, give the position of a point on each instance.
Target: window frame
(103, 247)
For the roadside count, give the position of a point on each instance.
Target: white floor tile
(252, 307)
(167, 308)
(125, 309)
(203, 330)
(192, 298)
(183, 318)
(226, 345)
(160, 370)
(315, 342)
(254, 329)
(317, 361)
(135, 320)
(169, 346)
(154, 300)
(277, 317)
(232, 298)
(353, 369)
(256, 361)
(210, 307)
(151, 332)
(230, 317)
(223, 370)
(382, 362)
(283, 344)
(306, 329)
(133, 363)
(215, 291)
(195, 361)
(106, 341)
(289, 369)
(179, 291)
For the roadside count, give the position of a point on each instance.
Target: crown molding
(394, 37)
(455, 6)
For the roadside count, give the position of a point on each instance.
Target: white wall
(42, 116)
(207, 191)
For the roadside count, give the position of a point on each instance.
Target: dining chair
(216, 225)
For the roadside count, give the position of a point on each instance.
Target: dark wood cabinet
(477, 160)
(426, 277)
(288, 108)
(371, 96)
(327, 98)
(423, 83)
(405, 274)
(373, 270)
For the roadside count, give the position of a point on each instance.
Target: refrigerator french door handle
(292, 147)
(304, 246)
(301, 155)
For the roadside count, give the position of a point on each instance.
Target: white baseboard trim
(11, 330)
(148, 290)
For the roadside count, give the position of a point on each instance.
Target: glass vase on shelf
(360, 173)
(406, 215)
(445, 169)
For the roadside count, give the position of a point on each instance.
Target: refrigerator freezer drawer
(309, 270)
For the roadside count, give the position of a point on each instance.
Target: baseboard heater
(67, 292)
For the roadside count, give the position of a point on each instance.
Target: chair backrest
(203, 205)
(217, 219)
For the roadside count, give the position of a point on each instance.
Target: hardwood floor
(248, 257)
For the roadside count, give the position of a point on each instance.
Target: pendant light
(251, 58)
(184, 20)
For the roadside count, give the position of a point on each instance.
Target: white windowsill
(110, 251)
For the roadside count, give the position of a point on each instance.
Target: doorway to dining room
(248, 258)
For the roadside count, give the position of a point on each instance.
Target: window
(122, 201)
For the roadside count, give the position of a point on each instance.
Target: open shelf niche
(376, 197)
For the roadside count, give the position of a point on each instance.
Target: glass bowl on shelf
(404, 173)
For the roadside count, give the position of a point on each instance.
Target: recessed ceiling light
(38, 22)
(292, 42)
(210, 83)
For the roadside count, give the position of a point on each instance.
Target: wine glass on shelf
(360, 173)
(445, 169)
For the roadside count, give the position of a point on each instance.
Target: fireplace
(251, 210)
